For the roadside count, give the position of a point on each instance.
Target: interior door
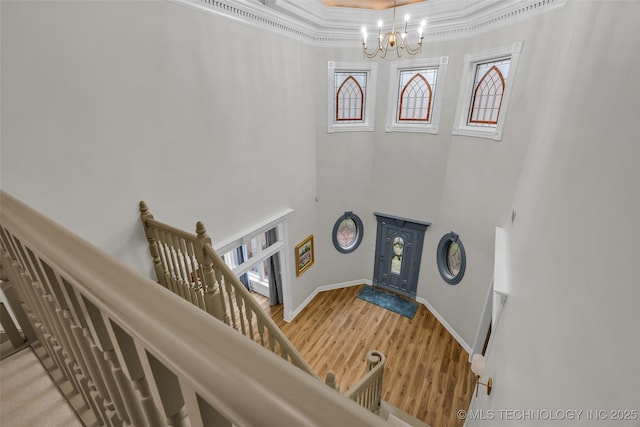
(399, 244)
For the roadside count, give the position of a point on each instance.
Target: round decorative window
(451, 258)
(347, 233)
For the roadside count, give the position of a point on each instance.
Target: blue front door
(399, 244)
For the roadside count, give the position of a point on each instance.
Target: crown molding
(315, 23)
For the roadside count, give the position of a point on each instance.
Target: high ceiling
(369, 4)
(338, 22)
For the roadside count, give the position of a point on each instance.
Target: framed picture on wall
(304, 255)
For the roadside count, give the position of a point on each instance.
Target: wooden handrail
(368, 390)
(238, 308)
(167, 361)
(168, 228)
(287, 349)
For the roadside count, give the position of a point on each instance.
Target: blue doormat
(389, 301)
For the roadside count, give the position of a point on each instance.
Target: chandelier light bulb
(395, 40)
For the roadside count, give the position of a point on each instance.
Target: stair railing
(368, 391)
(188, 265)
(17, 333)
(125, 351)
(175, 253)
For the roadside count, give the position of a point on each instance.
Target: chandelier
(393, 41)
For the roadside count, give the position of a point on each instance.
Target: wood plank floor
(427, 373)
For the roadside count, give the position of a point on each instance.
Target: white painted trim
(367, 125)
(483, 325)
(461, 127)
(260, 288)
(249, 233)
(314, 23)
(262, 255)
(497, 293)
(440, 63)
(255, 15)
(501, 274)
(501, 266)
(285, 271)
(288, 317)
(444, 323)
(280, 221)
(422, 301)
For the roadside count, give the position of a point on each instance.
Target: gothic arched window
(415, 95)
(487, 97)
(487, 85)
(350, 98)
(488, 92)
(415, 100)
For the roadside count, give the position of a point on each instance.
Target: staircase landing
(28, 396)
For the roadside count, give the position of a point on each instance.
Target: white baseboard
(322, 289)
(422, 301)
(446, 325)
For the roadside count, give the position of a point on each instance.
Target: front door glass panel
(396, 260)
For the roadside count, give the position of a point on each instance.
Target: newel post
(212, 297)
(331, 381)
(153, 245)
(373, 358)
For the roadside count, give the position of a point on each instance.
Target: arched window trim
(467, 86)
(397, 68)
(400, 109)
(338, 98)
(366, 124)
(482, 81)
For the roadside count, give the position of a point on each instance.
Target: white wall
(457, 183)
(108, 103)
(479, 177)
(345, 175)
(166, 107)
(105, 104)
(569, 337)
